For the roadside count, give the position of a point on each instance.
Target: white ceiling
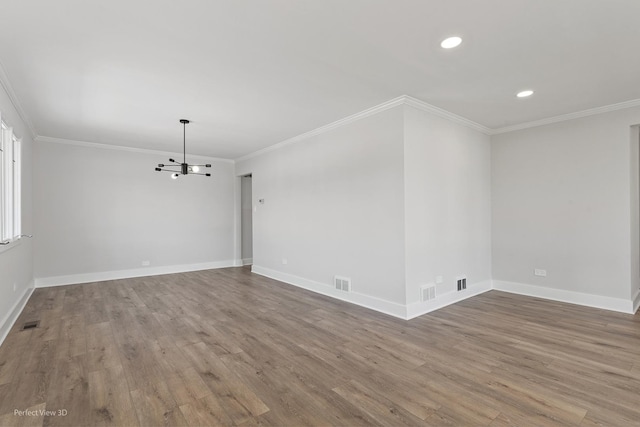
(252, 73)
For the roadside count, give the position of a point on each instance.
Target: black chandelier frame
(183, 168)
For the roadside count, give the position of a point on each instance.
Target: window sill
(14, 244)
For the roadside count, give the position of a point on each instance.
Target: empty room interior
(305, 213)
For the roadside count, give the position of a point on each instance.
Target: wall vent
(342, 283)
(462, 283)
(427, 293)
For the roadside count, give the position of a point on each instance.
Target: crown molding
(395, 102)
(571, 116)
(326, 128)
(48, 139)
(4, 82)
(437, 111)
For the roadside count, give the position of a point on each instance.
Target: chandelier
(183, 168)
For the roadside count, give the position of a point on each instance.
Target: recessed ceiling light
(524, 93)
(451, 42)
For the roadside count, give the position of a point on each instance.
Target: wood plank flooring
(226, 347)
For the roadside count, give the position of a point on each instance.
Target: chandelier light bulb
(174, 176)
(196, 169)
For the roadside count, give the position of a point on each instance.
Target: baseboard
(247, 261)
(419, 308)
(45, 282)
(416, 309)
(377, 304)
(12, 316)
(579, 298)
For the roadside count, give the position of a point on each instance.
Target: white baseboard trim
(419, 308)
(247, 261)
(45, 282)
(377, 304)
(12, 316)
(416, 309)
(579, 298)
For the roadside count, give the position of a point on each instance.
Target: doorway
(635, 211)
(246, 219)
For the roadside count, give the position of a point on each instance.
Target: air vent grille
(342, 283)
(427, 293)
(462, 283)
(30, 325)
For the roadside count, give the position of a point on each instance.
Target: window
(10, 185)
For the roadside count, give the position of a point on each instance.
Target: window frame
(10, 187)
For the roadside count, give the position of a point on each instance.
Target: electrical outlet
(439, 280)
(146, 263)
(15, 287)
(540, 272)
(284, 261)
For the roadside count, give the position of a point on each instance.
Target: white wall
(105, 210)
(562, 197)
(447, 203)
(391, 201)
(16, 263)
(334, 206)
(247, 218)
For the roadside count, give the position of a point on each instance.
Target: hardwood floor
(225, 347)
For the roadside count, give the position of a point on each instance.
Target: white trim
(579, 298)
(247, 261)
(570, 116)
(437, 111)
(395, 102)
(45, 282)
(419, 308)
(416, 309)
(48, 139)
(4, 82)
(11, 317)
(405, 312)
(377, 304)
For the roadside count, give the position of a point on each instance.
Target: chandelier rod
(184, 141)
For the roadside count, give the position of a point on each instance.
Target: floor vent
(342, 283)
(30, 325)
(427, 293)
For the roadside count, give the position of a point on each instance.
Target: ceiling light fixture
(451, 42)
(524, 93)
(183, 168)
